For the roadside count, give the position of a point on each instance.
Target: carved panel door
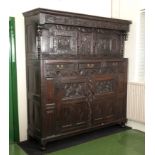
(73, 111)
(104, 99)
(107, 43)
(61, 91)
(58, 40)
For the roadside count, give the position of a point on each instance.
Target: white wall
(92, 7)
(4, 82)
(130, 10)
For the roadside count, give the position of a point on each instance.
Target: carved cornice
(69, 18)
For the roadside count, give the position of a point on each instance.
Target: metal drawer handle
(90, 65)
(60, 66)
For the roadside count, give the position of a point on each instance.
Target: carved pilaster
(38, 39)
(124, 37)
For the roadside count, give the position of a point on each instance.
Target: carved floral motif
(104, 86)
(74, 89)
(85, 43)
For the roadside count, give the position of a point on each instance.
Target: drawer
(113, 67)
(89, 69)
(109, 67)
(89, 65)
(60, 69)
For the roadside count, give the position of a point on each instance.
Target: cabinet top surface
(74, 15)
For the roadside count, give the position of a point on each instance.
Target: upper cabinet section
(57, 34)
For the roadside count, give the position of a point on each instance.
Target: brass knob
(60, 66)
(92, 65)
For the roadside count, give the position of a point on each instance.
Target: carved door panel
(58, 40)
(104, 99)
(107, 43)
(85, 42)
(73, 111)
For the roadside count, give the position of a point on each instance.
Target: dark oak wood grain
(76, 73)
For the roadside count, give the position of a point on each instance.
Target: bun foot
(43, 148)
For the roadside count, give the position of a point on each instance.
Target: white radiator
(136, 102)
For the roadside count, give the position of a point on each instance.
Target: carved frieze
(70, 40)
(86, 22)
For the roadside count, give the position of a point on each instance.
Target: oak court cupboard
(76, 73)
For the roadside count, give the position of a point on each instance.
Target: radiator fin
(135, 102)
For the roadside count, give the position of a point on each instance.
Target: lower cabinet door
(73, 111)
(73, 115)
(103, 109)
(104, 99)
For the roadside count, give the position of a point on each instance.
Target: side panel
(122, 89)
(34, 98)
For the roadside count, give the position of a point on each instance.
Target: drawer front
(88, 69)
(113, 66)
(60, 69)
(77, 68)
(89, 65)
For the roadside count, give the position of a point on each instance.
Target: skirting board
(136, 125)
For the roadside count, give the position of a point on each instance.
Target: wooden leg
(30, 138)
(43, 146)
(122, 124)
